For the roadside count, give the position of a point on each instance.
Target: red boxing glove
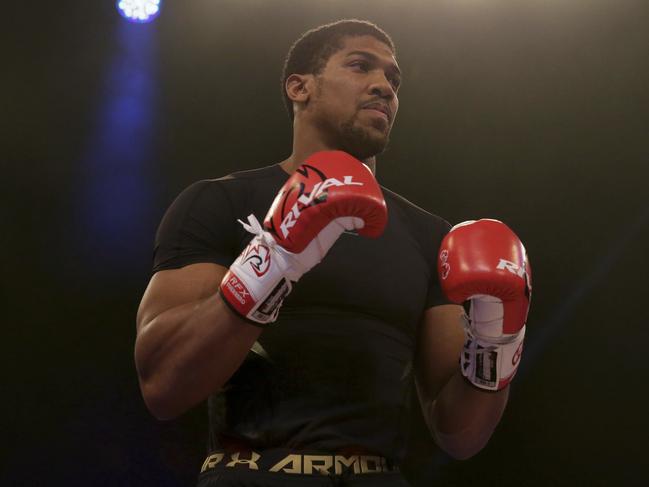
(485, 262)
(328, 194)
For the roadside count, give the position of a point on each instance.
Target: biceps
(440, 341)
(171, 288)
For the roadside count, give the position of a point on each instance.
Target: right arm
(189, 342)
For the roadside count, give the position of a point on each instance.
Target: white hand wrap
(489, 359)
(262, 276)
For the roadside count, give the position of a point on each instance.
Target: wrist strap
(488, 365)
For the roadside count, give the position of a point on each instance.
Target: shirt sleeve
(435, 297)
(199, 226)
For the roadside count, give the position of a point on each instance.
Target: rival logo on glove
(511, 267)
(305, 200)
(258, 256)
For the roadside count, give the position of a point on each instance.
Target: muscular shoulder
(228, 189)
(201, 224)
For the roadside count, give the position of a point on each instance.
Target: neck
(306, 142)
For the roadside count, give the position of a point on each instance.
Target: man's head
(341, 79)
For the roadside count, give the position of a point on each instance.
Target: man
(307, 364)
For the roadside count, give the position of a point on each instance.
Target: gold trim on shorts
(286, 461)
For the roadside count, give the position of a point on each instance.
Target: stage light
(139, 11)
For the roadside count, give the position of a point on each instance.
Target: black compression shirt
(334, 371)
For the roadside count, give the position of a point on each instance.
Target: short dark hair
(310, 53)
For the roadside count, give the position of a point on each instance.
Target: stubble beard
(360, 141)
(351, 136)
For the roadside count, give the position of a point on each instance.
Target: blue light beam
(116, 201)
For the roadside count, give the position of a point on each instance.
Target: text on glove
(317, 195)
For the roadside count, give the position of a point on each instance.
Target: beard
(360, 141)
(351, 135)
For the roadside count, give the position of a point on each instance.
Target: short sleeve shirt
(333, 371)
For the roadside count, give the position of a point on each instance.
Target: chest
(385, 278)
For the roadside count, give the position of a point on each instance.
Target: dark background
(532, 112)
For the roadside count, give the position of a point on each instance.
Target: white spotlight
(139, 11)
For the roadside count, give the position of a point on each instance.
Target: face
(355, 102)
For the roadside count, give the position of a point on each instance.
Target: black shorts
(283, 468)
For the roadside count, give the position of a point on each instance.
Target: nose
(384, 90)
(382, 87)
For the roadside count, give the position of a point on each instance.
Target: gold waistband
(298, 462)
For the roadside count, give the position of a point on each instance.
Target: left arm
(463, 400)
(460, 417)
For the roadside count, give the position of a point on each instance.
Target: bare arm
(188, 341)
(460, 417)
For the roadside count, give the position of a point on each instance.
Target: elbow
(168, 389)
(165, 396)
(461, 452)
(161, 405)
(458, 446)
(158, 396)
(155, 388)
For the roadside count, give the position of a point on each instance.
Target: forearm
(188, 352)
(463, 418)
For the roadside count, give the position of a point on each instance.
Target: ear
(298, 87)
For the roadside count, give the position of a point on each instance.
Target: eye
(361, 64)
(395, 82)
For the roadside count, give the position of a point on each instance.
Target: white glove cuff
(490, 364)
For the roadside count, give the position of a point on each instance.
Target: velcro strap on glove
(490, 363)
